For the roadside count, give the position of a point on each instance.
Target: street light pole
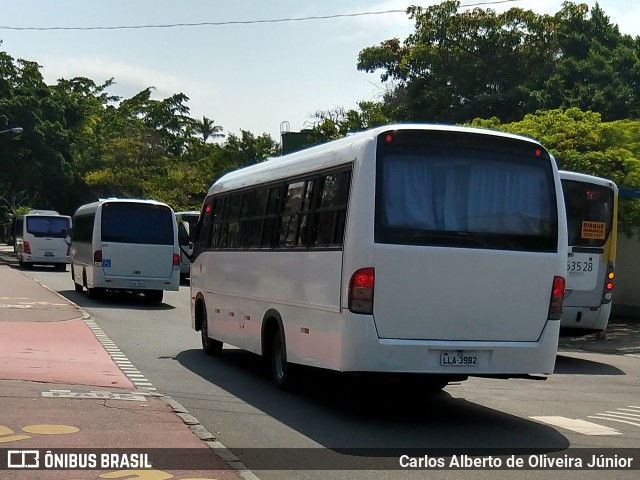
(15, 130)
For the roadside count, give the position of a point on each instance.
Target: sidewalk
(62, 393)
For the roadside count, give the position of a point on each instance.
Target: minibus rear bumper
(38, 260)
(363, 351)
(593, 319)
(125, 283)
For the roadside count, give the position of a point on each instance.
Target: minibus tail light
(176, 261)
(607, 293)
(26, 247)
(97, 258)
(361, 291)
(557, 296)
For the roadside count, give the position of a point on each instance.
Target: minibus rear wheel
(210, 346)
(283, 372)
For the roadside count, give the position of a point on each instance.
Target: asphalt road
(592, 401)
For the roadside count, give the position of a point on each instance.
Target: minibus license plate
(48, 254)
(136, 284)
(458, 359)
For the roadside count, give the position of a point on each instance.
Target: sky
(262, 77)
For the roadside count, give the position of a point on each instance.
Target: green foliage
(597, 69)
(80, 143)
(206, 129)
(336, 123)
(459, 65)
(39, 160)
(245, 150)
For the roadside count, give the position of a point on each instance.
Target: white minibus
(592, 216)
(186, 221)
(409, 250)
(126, 245)
(40, 237)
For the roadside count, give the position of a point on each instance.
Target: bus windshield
(43, 226)
(464, 190)
(137, 223)
(589, 213)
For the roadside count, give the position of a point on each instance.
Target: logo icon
(23, 458)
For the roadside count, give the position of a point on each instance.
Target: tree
(81, 143)
(326, 125)
(598, 68)
(238, 152)
(459, 65)
(38, 161)
(207, 129)
(130, 162)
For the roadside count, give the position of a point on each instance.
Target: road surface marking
(119, 358)
(96, 394)
(578, 426)
(6, 434)
(50, 429)
(605, 416)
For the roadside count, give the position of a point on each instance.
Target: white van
(40, 238)
(186, 221)
(127, 245)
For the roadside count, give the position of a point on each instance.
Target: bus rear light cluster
(607, 293)
(557, 297)
(26, 248)
(361, 291)
(176, 261)
(97, 258)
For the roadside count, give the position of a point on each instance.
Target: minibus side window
(201, 234)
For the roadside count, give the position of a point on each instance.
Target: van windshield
(589, 213)
(45, 226)
(140, 223)
(464, 190)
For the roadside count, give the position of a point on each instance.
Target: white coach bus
(592, 217)
(126, 245)
(405, 249)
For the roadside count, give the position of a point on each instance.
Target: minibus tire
(283, 372)
(209, 345)
(79, 288)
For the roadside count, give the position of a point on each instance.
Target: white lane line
(614, 418)
(126, 367)
(577, 425)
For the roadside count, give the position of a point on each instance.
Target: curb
(207, 437)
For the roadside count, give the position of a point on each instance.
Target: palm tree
(206, 128)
